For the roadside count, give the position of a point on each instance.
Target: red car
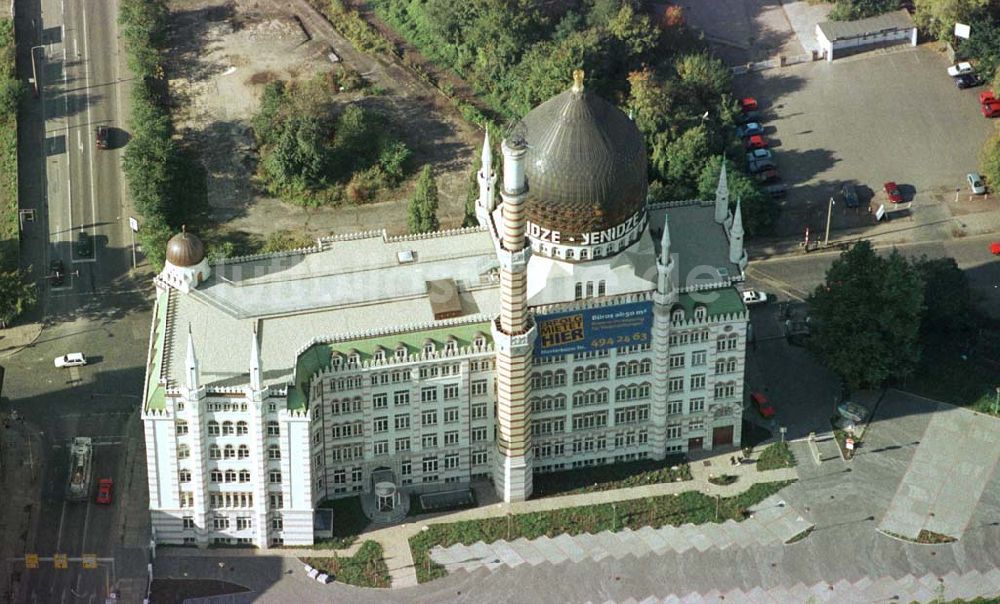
(995, 248)
(892, 192)
(748, 104)
(987, 97)
(762, 404)
(755, 142)
(104, 487)
(991, 109)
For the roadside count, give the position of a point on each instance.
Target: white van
(73, 359)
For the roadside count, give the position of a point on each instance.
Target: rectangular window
(479, 411)
(402, 444)
(429, 418)
(697, 404)
(401, 397)
(584, 421)
(430, 464)
(451, 415)
(380, 424)
(675, 407)
(698, 382)
(380, 400)
(340, 476)
(381, 447)
(403, 421)
(220, 523)
(674, 431)
(478, 434)
(188, 522)
(244, 523)
(429, 394)
(676, 361)
(450, 392)
(451, 461)
(274, 476)
(676, 384)
(405, 468)
(429, 441)
(450, 438)
(277, 524)
(356, 474)
(479, 457)
(478, 387)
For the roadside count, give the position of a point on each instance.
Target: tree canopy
(17, 293)
(422, 216)
(868, 315)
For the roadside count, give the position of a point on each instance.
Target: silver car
(976, 183)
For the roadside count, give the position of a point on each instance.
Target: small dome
(185, 249)
(585, 166)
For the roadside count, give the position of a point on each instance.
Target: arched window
(428, 347)
(590, 289)
(185, 475)
(183, 452)
(244, 475)
(583, 254)
(243, 452)
(273, 452)
(273, 429)
(214, 452)
(569, 254)
(229, 452)
(700, 312)
(400, 352)
(230, 475)
(213, 428)
(379, 355)
(227, 428)
(216, 476)
(451, 345)
(602, 287)
(479, 341)
(182, 427)
(578, 294)
(336, 359)
(242, 428)
(677, 314)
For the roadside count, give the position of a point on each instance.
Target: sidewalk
(14, 339)
(395, 539)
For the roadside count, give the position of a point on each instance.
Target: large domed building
(577, 325)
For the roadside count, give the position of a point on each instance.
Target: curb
(11, 351)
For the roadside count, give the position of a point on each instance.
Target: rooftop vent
(723, 272)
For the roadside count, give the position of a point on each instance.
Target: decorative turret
(487, 181)
(256, 375)
(737, 254)
(192, 371)
(722, 196)
(665, 290)
(186, 265)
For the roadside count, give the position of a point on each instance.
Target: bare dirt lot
(222, 55)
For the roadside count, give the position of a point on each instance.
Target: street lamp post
(34, 68)
(996, 402)
(829, 213)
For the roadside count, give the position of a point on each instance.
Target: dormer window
(583, 254)
(701, 313)
(379, 355)
(479, 341)
(336, 360)
(354, 358)
(400, 352)
(677, 315)
(428, 347)
(451, 345)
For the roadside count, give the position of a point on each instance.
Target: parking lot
(892, 114)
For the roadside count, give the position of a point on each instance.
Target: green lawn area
(609, 477)
(9, 230)
(942, 375)
(348, 522)
(776, 456)
(366, 568)
(673, 510)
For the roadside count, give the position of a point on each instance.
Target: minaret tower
(487, 182)
(737, 253)
(513, 334)
(722, 196)
(664, 299)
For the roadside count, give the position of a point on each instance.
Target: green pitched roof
(317, 357)
(155, 394)
(718, 301)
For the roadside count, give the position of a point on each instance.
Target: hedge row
(11, 91)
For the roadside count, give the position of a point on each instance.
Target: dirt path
(222, 55)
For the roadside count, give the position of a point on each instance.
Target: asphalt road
(101, 308)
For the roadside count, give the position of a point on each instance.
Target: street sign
(89, 560)
(133, 224)
(31, 561)
(849, 444)
(60, 561)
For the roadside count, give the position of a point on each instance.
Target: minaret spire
(737, 254)
(487, 168)
(191, 369)
(722, 195)
(487, 181)
(665, 241)
(256, 376)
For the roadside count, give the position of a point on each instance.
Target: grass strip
(666, 510)
(366, 568)
(610, 477)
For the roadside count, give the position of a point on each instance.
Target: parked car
(768, 175)
(58, 270)
(104, 487)
(991, 109)
(759, 154)
(852, 412)
(749, 129)
(103, 137)
(995, 248)
(752, 296)
(755, 142)
(749, 116)
(987, 97)
(763, 406)
(748, 104)
(892, 192)
(960, 69)
(976, 183)
(83, 244)
(968, 80)
(776, 190)
(73, 359)
(759, 165)
(850, 194)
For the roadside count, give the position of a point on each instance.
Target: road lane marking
(62, 518)
(86, 525)
(90, 153)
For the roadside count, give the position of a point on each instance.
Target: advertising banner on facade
(594, 329)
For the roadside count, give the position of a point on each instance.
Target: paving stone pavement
(773, 522)
(908, 588)
(959, 444)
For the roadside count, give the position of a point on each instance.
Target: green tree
(686, 157)
(759, 210)
(153, 236)
(267, 122)
(867, 316)
(989, 160)
(704, 79)
(296, 162)
(851, 10)
(424, 204)
(938, 17)
(947, 297)
(17, 294)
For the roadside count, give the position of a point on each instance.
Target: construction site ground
(223, 53)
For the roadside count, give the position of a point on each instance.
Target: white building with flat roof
(577, 325)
